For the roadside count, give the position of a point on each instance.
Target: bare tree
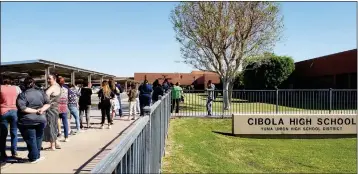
(218, 36)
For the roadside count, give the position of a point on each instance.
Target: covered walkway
(80, 154)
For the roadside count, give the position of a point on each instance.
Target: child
(132, 95)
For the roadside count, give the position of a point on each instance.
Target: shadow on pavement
(91, 163)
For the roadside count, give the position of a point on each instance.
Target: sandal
(49, 149)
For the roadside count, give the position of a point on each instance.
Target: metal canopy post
(73, 78)
(47, 73)
(125, 86)
(89, 78)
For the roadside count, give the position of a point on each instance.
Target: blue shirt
(145, 90)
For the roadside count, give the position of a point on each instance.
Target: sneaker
(38, 160)
(133, 118)
(59, 135)
(66, 140)
(109, 127)
(101, 126)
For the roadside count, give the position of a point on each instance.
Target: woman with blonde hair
(105, 95)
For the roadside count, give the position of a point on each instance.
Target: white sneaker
(67, 140)
(101, 126)
(109, 126)
(38, 160)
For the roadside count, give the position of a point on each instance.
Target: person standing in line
(51, 130)
(73, 95)
(31, 105)
(177, 92)
(105, 94)
(166, 85)
(9, 116)
(132, 96)
(137, 99)
(115, 103)
(63, 107)
(209, 103)
(85, 103)
(145, 91)
(69, 116)
(157, 91)
(119, 98)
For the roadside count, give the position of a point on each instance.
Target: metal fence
(281, 101)
(142, 148)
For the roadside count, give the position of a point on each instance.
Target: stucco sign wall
(294, 124)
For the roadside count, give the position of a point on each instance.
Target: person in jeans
(85, 103)
(105, 94)
(132, 96)
(63, 107)
(211, 89)
(177, 92)
(73, 95)
(8, 111)
(31, 105)
(119, 98)
(145, 91)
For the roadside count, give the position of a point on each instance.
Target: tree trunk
(231, 86)
(226, 98)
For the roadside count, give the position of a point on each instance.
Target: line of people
(38, 114)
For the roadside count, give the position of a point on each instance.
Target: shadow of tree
(289, 136)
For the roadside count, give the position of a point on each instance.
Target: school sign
(294, 124)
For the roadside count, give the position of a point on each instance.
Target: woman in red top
(8, 116)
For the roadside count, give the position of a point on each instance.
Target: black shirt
(85, 98)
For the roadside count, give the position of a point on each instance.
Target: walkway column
(47, 73)
(101, 79)
(73, 79)
(89, 78)
(126, 86)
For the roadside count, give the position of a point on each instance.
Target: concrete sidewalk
(80, 154)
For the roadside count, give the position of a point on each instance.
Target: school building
(337, 71)
(196, 78)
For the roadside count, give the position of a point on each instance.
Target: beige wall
(294, 124)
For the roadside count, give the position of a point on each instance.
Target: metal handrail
(142, 146)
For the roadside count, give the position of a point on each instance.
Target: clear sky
(121, 38)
